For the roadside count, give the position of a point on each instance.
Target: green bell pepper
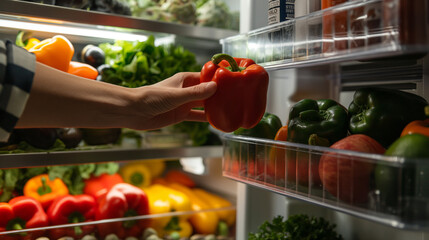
(325, 118)
(266, 128)
(249, 153)
(383, 113)
(314, 122)
(403, 189)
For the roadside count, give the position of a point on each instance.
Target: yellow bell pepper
(56, 52)
(155, 166)
(136, 174)
(24, 39)
(31, 43)
(163, 199)
(202, 222)
(180, 226)
(215, 201)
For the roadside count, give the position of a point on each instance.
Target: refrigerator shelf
(385, 189)
(356, 30)
(29, 13)
(91, 226)
(39, 159)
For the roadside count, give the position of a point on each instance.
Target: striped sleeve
(17, 68)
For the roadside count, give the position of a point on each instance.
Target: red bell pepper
(72, 209)
(241, 94)
(99, 186)
(21, 213)
(123, 200)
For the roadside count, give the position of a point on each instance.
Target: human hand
(172, 101)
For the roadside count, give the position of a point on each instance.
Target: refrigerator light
(112, 34)
(193, 165)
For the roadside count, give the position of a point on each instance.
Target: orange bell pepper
(278, 155)
(45, 190)
(203, 222)
(417, 126)
(56, 52)
(176, 176)
(83, 70)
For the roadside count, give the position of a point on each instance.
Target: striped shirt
(17, 68)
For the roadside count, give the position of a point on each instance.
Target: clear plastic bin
(390, 190)
(355, 30)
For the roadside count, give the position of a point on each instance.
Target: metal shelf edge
(43, 11)
(106, 155)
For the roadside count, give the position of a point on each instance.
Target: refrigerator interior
(292, 77)
(202, 163)
(289, 82)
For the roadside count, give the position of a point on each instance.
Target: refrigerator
(316, 54)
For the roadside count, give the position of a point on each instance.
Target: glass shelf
(356, 30)
(38, 159)
(55, 15)
(385, 189)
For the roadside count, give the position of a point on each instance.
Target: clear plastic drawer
(390, 190)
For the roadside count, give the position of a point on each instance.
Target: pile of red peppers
(107, 197)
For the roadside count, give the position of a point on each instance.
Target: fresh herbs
(140, 63)
(296, 227)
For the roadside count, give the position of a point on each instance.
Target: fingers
(195, 93)
(183, 79)
(191, 79)
(196, 116)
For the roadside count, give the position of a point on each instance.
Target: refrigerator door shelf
(384, 189)
(355, 30)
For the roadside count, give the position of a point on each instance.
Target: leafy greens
(141, 63)
(296, 227)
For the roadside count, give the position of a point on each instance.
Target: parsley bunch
(296, 227)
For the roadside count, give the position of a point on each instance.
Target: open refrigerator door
(331, 53)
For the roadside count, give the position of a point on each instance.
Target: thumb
(197, 92)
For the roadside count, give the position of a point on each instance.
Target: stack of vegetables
(58, 195)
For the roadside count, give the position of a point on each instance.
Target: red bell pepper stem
(217, 58)
(77, 230)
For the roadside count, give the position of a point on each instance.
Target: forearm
(58, 99)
